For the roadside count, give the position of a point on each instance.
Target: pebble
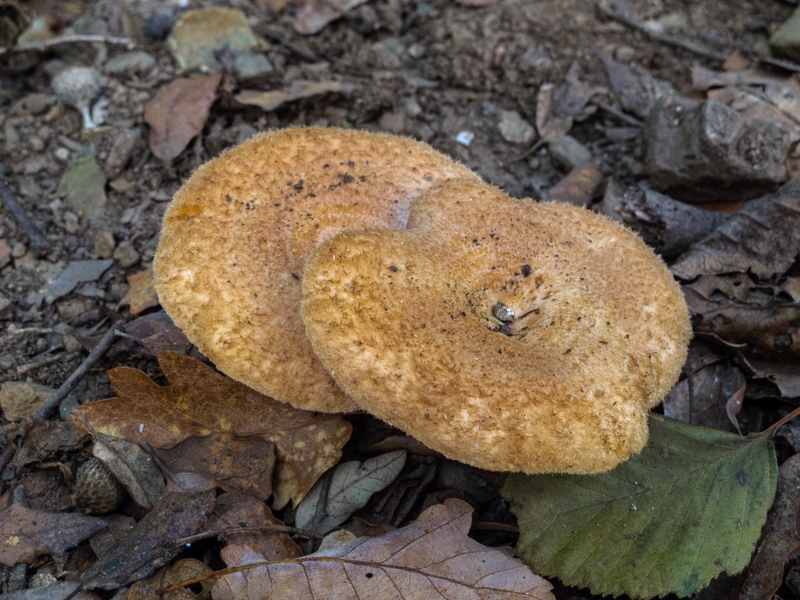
(121, 151)
(625, 54)
(393, 122)
(72, 307)
(72, 223)
(71, 343)
(5, 253)
(412, 107)
(61, 154)
(569, 152)
(6, 306)
(135, 61)
(416, 50)
(20, 399)
(465, 137)
(36, 104)
(126, 255)
(104, 244)
(514, 128)
(18, 250)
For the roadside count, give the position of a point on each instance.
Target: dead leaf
(178, 112)
(549, 126)
(43, 438)
(298, 90)
(635, 89)
(761, 238)
(784, 375)
(200, 401)
(157, 333)
(243, 464)
(26, 533)
(701, 398)
(580, 186)
(238, 510)
(182, 570)
(352, 485)
(142, 293)
(431, 558)
(778, 539)
(742, 311)
(314, 15)
(153, 542)
(132, 467)
(704, 79)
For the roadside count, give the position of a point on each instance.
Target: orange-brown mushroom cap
(236, 236)
(409, 323)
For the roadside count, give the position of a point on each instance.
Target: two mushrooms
(337, 270)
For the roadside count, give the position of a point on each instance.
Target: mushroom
(78, 87)
(236, 236)
(507, 334)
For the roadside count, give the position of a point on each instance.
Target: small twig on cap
(68, 39)
(21, 217)
(620, 116)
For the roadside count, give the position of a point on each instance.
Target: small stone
(515, 129)
(786, 39)
(20, 399)
(416, 50)
(61, 154)
(136, 61)
(625, 54)
(72, 223)
(104, 244)
(71, 343)
(66, 406)
(36, 104)
(5, 253)
(31, 189)
(465, 137)
(83, 186)
(72, 307)
(393, 122)
(6, 306)
(412, 107)
(126, 255)
(249, 65)
(569, 152)
(19, 250)
(121, 151)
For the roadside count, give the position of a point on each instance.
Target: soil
(430, 70)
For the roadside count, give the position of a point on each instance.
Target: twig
(248, 530)
(21, 217)
(620, 116)
(67, 39)
(96, 354)
(35, 364)
(607, 9)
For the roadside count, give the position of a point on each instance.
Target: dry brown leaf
(314, 15)
(153, 542)
(142, 293)
(243, 464)
(778, 539)
(431, 558)
(178, 112)
(549, 126)
(182, 570)
(132, 467)
(761, 237)
(26, 533)
(157, 333)
(233, 509)
(200, 401)
(742, 311)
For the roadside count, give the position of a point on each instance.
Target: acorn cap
(507, 334)
(236, 236)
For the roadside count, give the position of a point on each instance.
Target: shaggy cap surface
(236, 236)
(417, 327)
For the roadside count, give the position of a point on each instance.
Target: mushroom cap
(77, 86)
(236, 236)
(406, 321)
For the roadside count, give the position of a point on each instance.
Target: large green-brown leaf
(668, 520)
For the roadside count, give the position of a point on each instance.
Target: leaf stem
(774, 427)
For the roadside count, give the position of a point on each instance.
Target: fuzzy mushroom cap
(236, 236)
(407, 321)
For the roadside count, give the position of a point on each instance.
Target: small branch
(248, 530)
(774, 427)
(96, 354)
(21, 217)
(620, 116)
(68, 39)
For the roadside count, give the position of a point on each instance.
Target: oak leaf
(200, 401)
